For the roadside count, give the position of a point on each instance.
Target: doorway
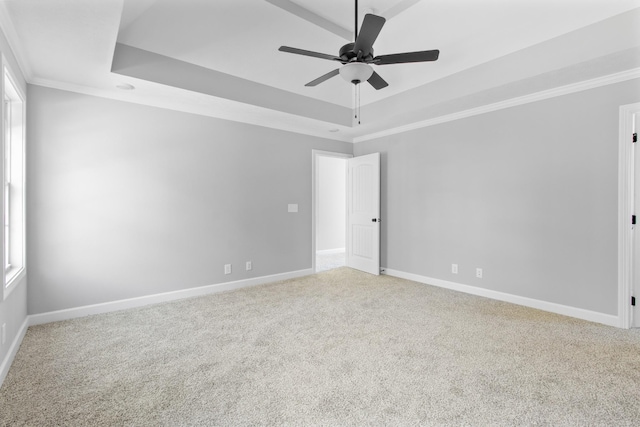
(329, 210)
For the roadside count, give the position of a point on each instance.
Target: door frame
(626, 182)
(315, 155)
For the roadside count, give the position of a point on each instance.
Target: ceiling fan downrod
(355, 32)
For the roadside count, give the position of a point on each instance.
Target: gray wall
(332, 213)
(528, 193)
(128, 200)
(13, 310)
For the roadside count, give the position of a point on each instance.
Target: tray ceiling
(221, 57)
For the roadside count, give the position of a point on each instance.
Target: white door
(636, 231)
(363, 213)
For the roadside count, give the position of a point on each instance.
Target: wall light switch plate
(292, 207)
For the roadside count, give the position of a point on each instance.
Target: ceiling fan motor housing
(347, 53)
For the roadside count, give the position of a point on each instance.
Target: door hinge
(633, 301)
(635, 137)
(633, 220)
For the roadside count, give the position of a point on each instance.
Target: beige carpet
(336, 348)
(326, 262)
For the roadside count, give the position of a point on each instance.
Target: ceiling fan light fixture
(356, 72)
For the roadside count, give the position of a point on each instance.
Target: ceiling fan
(356, 57)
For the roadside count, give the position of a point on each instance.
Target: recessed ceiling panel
(342, 12)
(241, 37)
(70, 44)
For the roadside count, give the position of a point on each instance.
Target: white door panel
(363, 211)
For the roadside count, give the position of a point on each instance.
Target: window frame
(13, 172)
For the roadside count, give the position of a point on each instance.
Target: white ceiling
(241, 75)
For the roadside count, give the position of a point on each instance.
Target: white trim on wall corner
(592, 316)
(13, 350)
(513, 102)
(107, 307)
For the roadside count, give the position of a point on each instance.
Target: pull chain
(356, 101)
(359, 107)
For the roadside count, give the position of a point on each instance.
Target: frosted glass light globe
(356, 72)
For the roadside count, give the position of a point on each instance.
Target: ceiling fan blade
(324, 77)
(369, 31)
(401, 58)
(308, 53)
(377, 82)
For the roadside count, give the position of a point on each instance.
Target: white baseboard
(72, 313)
(13, 350)
(331, 251)
(88, 310)
(592, 316)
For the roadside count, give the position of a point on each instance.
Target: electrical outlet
(479, 273)
(4, 333)
(249, 266)
(227, 269)
(454, 268)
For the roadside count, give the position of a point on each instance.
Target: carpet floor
(326, 262)
(336, 348)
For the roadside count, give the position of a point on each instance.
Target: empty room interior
(293, 212)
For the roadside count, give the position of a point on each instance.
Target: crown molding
(9, 31)
(237, 112)
(513, 102)
(288, 123)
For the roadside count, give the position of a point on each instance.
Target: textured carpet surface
(326, 262)
(335, 348)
